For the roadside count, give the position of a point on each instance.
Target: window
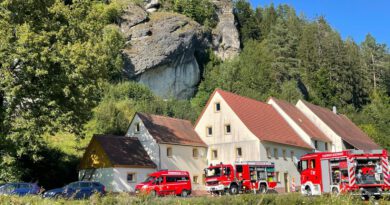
(276, 153)
(277, 176)
(238, 152)
(209, 131)
(195, 153)
(169, 151)
(326, 146)
(214, 154)
(227, 129)
(284, 154)
(195, 179)
(316, 144)
(292, 155)
(312, 164)
(137, 127)
(85, 185)
(268, 150)
(304, 165)
(130, 177)
(226, 171)
(217, 107)
(173, 179)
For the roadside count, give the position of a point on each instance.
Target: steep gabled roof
(343, 127)
(124, 151)
(262, 120)
(301, 120)
(167, 130)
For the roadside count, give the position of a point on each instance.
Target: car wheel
(184, 193)
(233, 190)
(153, 193)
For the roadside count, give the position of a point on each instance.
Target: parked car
(76, 190)
(165, 182)
(20, 189)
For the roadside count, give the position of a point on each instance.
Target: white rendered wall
(226, 144)
(337, 144)
(288, 165)
(182, 159)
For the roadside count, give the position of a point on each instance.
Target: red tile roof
(167, 130)
(301, 120)
(123, 150)
(263, 120)
(344, 127)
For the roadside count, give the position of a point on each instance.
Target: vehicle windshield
(149, 179)
(213, 172)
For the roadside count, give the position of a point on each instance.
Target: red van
(166, 182)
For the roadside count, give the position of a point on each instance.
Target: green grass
(270, 199)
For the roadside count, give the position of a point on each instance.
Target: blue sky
(351, 18)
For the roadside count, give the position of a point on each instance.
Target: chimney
(334, 110)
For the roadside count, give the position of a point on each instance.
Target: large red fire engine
(256, 176)
(364, 173)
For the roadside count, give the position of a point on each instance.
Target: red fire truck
(256, 176)
(364, 173)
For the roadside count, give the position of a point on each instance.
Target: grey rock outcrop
(161, 54)
(132, 15)
(226, 41)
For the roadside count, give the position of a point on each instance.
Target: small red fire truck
(166, 182)
(364, 173)
(256, 176)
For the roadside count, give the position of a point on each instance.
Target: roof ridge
(163, 116)
(245, 97)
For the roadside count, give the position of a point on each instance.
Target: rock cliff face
(161, 46)
(226, 41)
(160, 54)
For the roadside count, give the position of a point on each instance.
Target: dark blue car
(76, 190)
(20, 189)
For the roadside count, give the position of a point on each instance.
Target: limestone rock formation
(226, 41)
(132, 15)
(160, 54)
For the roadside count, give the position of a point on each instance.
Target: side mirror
(299, 166)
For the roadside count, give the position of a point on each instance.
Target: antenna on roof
(334, 110)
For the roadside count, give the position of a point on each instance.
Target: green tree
(54, 60)
(247, 21)
(375, 60)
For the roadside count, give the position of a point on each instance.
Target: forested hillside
(61, 71)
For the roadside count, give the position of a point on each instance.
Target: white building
(343, 133)
(171, 144)
(118, 162)
(237, 128)
(306, 129)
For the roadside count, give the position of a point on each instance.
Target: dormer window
(138, 127)
(217, 107)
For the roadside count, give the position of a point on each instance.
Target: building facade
(118, 162)
(236, 128)
(171, 144)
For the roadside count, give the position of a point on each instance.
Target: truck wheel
(308, 191)
(233, 190)
(262, 189)
(335, 191)
(184, 193)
